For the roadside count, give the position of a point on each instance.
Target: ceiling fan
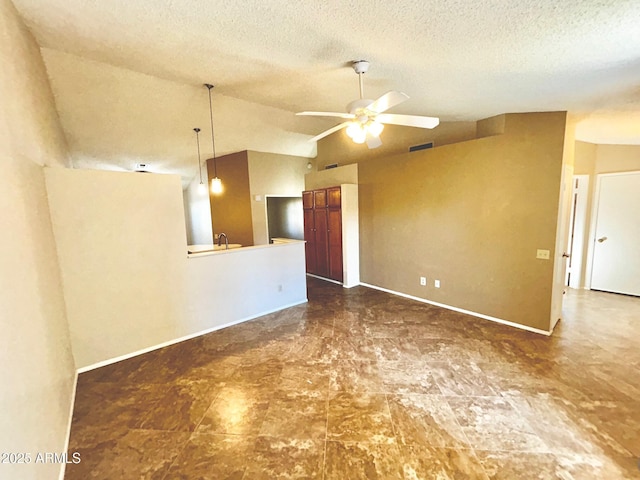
(366, 118)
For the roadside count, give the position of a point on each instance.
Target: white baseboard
(68, 437)
(186, 337)
(461, 310)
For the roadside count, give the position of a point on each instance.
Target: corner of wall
(39, 363)
(488, 127)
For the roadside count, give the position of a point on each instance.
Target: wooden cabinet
(320, 219)
(310, 237)
(323, 232)
(334, 233)
(307, 200)
(319, 198)
(333, 197)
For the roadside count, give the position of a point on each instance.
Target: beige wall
(339, 148)
(197, 209)
(331, 177)
(472, 215)
(617, 158)
(120, 239)
(592, 159)
(231, 210)
(129, 285)
(273, 174)
(585, 158)
(37, 369)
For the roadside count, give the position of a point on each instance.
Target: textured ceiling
(139, 65)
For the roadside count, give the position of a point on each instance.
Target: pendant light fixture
(201, 188)
(216, 183)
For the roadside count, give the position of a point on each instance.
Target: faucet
(226, 240)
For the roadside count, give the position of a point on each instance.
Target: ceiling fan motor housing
(361, 66)
(359, 104)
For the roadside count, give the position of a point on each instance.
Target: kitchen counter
(202, 252)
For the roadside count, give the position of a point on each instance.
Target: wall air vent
(333, 165)
(424, 146)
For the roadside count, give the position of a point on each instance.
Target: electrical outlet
(437, 283)
(543, 254)
(423, 281)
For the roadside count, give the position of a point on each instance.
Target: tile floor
(360, 384)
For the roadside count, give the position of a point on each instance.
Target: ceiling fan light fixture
(366, 118)
(360, 137)
(375, 128)
(353, 129)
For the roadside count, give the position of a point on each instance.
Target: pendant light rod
(197, 130)
(360, 74)
(213, 141)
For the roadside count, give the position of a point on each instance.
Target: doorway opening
(284, 218)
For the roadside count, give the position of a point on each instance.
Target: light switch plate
(543, 254)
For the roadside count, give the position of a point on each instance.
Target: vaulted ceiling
(127, 75)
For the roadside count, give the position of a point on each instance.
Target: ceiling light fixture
(359, 128)
(201, 188)
(216, 183)
(366, 118)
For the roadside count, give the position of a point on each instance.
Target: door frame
(562, 235)
(578, 230)
(594, 221)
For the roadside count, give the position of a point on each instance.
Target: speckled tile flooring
(360, 384)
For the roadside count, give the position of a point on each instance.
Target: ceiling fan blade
(328, 114)
(386, 101)
(330, 131)
(373, 142)
(408, 120)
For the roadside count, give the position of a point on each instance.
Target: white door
(616, 248)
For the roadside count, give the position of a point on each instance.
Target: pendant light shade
(216, 183)
(201, 188)
(216, 186)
